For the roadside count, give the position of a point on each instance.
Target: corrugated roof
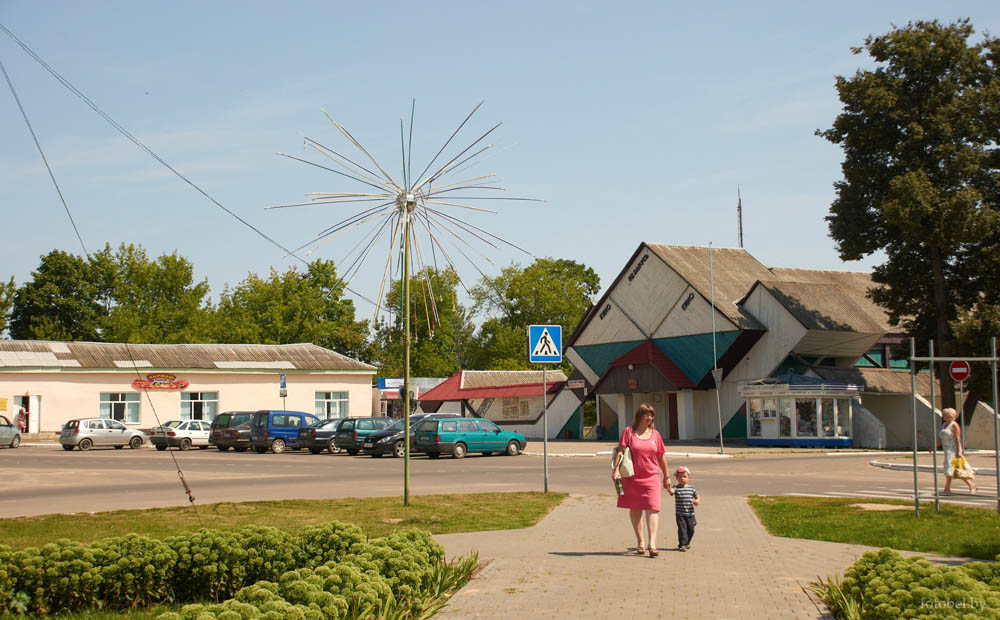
(826, 305)
(733, 271)
(107, 355)
(879, 380)
(850, 302)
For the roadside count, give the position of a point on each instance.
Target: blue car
(277, 429)
(460, 436)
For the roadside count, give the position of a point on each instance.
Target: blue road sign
(282, 386)
(545, 344)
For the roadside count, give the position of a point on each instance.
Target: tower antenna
(739, 215)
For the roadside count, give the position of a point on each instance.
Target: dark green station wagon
(459, 436)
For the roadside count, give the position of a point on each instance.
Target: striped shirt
(684, 499)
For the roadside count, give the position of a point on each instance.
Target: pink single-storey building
(141, 384)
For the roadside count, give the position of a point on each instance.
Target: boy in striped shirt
(685, 499)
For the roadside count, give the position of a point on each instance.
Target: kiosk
(796, 410)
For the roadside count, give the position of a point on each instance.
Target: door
(491, 437)
(116, 432)
(97, 432)
(470, 435)
(199, 432)
(672, 415)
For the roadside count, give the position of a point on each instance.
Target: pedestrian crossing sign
(545, 344)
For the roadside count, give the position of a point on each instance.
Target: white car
(181, 434)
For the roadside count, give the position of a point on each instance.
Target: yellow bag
(962, 469)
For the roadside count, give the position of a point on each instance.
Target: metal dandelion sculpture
(414, 215)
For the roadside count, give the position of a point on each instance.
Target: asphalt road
(46, 479)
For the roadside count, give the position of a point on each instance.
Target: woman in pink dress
(642, 489)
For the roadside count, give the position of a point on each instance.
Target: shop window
(805, 416)
(199, 405)
(844, 417)
(331, 405)
(786, 410)
(754, 418)
(120, 406)
(829, 418)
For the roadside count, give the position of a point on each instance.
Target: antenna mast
(739, 215)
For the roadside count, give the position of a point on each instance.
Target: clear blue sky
(636, 121)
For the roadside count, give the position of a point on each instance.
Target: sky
(634, 121)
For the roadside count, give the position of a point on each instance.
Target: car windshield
(221, 420)
(173, 423)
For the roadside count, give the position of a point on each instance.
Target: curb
(925, 468)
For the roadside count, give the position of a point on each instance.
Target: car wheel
(332, 447)
(222, 448)
(315, 450)
(67, 448)
(237, 449)
(161, 448)
(85, 444)
(259, 449)
(119, 447)
(185, 444)
(398, 449)
(135, 442)
(352, 452)
(433, 455)
(458, 451)
(278, 446)
(513, 448)
(16, 441)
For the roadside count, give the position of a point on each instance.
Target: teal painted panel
(792, 364)
(600, 356)
(571, 429)
(693, 354)
(736, 428)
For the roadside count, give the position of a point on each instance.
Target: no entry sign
(959, 371)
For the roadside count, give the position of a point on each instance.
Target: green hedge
(328, 571)
(883, 585)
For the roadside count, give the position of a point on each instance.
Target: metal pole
(937, 497)
(996, 425)
(406, 357)
(913, 405)
(545, 427)
(716, 371)
(961, 410)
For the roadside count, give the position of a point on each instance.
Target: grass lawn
(956, 530)
(377, 516)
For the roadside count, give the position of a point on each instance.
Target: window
(467, 426)
(805, 412)
(286, 421)
(199, 405)
(120, 406)
(844, 417)
(331, 405)
(365, 425)
(488, 427)
(829, 418)
(448, 427)
(754, 417)
(786, 409)
(95, 425)
(114, 425)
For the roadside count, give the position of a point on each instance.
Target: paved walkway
(573, 564)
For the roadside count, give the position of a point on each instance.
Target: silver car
(89, 432)
(9, 435)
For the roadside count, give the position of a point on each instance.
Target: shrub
(211, 565)
(319, 544)
(136, 571)
(270, 552)
(63, 575)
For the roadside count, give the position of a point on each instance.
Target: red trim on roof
(649, 353)
(450, 390)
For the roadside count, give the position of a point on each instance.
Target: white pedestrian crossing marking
(545, 346)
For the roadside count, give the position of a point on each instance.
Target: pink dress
(642, 490)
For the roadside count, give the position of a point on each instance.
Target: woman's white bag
(625, 467)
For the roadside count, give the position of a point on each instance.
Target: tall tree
(60, 302)
(440, 333)
(292, 307)
(6, 303)
(549, 291)
(920, 134)
(149, 301)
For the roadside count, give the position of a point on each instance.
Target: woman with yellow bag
(951, 443)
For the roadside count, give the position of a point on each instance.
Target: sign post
(282, 389)
(960, 372)
(544, 347)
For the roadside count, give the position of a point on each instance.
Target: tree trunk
(943, 340)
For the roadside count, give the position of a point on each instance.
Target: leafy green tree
(147, 301)
(440, 333)
(292, 307)
(549, 291)
(920, 134)
(6, 303)
(60, 302)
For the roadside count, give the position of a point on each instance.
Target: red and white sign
(160, 381)
(959, 371)
(575, 384)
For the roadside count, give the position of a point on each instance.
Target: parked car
(89, 432)
(10, 436)
(277, 429)
(181, 434)
(320, 436)
(390, 439)
(352, 432)
(457, 437)
(231, 429)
